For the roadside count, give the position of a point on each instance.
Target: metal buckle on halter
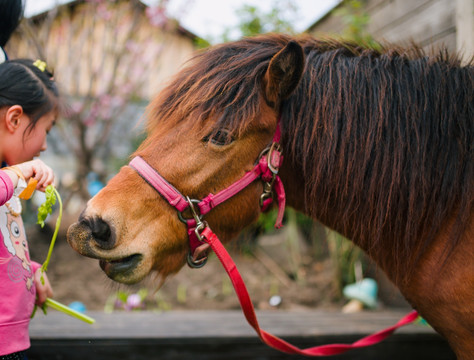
(268, 186)
(200, 226)
(267, 190)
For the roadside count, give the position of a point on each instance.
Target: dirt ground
(270, 277)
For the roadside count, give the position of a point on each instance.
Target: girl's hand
(43, 291)
(37, 170)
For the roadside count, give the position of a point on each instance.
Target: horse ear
(283, 73)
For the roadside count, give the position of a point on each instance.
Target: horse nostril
(101, 232)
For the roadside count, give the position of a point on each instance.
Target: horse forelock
(385, 141)
(222, 81)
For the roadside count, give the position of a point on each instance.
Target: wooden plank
(424, 22)
(216, 324)
(465, 28)
(229, 349)
(329, 25)
(392, 13)
(219, 334)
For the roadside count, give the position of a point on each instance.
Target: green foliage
(253, 21)
(181, 293)
(43, 211)
(266, 221)
(46, 208)
(52, 195)
(344, 255)
(136, 301)
(356, 21)
(201, 43)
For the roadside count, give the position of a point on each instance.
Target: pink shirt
(17, 288)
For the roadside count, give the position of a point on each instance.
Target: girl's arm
(36, 169)
(6, 187)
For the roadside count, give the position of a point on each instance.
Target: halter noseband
(266, 169)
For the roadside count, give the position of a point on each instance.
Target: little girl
(28, 111)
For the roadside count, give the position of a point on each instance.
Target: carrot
(29, 190)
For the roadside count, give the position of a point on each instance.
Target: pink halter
(266, 169)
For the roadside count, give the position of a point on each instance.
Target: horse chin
(128, 270)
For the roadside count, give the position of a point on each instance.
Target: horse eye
(219, 138)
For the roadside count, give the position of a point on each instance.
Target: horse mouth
(120, 269)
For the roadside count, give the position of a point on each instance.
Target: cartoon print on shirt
(14, 241)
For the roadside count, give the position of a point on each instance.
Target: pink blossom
(103, 12)
(76, 107)
(132, 46)
(157, 16)
(134, 301)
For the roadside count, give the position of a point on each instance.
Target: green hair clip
(40, 65)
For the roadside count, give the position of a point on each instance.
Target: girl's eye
(219, 138)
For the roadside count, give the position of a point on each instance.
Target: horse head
(205, 131)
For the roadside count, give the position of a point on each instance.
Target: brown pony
(377, 144)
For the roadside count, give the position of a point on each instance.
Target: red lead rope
(274, 341)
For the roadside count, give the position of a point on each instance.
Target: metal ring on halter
(264, 197)
(267, 191)
(274, 147)
(195, 264)
(262, 153)
(200, 225)
(190, 201)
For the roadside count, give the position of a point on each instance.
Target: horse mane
(224, 78)
(383, 137)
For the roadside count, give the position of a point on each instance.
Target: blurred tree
(103, 54)
(252, 20)
(278, 19)
(356, 20)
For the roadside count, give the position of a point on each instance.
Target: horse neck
(361, 136)
(297, 187)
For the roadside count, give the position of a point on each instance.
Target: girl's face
(30, 142)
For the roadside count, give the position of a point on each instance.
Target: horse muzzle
(92, 237)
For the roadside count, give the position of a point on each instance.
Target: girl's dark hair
(24, 84)
(11, 13)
